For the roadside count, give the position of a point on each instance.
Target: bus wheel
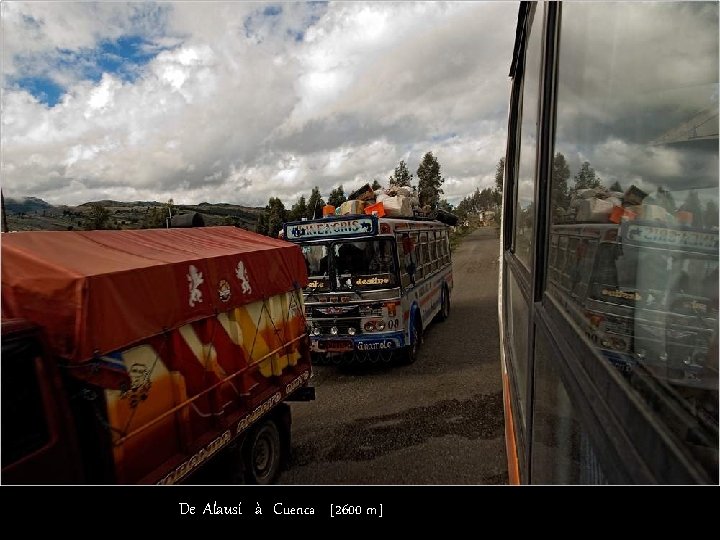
(262, 452)
(444, 305)
(411, 351)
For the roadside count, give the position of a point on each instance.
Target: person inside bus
(382, 258)
(323, 266)
(350, 258)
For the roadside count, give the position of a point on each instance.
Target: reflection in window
(518, 333)
(561, 452)
(634, 201)
(528, 138)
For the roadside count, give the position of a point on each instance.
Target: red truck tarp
(95, 292)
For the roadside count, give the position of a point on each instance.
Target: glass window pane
(634, 236)
(525, 188)
(518, 331)
(561, 451)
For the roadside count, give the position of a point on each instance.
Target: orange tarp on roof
(95, 292)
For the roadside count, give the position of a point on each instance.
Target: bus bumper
(366, 343)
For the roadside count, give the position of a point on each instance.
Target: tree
(692, 205)
(586, 177)
(299, 210)
(315, 204)
(276, 216)
(499, 174)
(560, 196)
(337, 196)
(401, 176)
(711, 215)
(429, 181)
(445, 205)
(262, 224)
(155, 218)
(376, 185)
(97, 218)
(616, 186)
(665, 199)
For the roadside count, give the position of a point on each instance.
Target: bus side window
(445, 244)
(434, 249)
(420, 256)
(425, 253)
(406, 255)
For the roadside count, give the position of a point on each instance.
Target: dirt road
(438, 421)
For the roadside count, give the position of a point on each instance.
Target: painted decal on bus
(371, 280)
(334, 228)
(669, 238)
(378, 345)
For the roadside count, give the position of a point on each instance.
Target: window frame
(631, 441)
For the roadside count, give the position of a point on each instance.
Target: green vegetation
(401, 177)
(429, 182)
(32, 214)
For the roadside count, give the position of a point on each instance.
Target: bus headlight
(369, 326)
(351, 331)
(316, 331)
(380, 325)
(334, 330)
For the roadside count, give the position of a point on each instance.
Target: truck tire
(262, 453)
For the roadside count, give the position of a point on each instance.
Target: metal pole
(2, 201)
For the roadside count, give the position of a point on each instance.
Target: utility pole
(2, 201)
(169, 208)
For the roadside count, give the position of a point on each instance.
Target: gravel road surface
(438, 421)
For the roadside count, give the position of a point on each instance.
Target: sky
(637, 97)
(237, 102)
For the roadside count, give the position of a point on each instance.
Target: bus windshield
(652, 278)
(351, 265)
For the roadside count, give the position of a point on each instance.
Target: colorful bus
(609, 245)
(375, 284)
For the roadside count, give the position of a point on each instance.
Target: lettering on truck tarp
(220, 442)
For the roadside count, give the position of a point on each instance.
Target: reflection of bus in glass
(644, 294)
(375, 284)
(609, 245)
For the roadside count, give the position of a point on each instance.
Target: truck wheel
(444, 305)
(262, 453)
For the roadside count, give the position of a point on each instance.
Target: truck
(150, 356)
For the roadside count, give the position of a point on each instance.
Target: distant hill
(32, 214)
(29, 204)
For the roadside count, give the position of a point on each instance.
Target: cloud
(237, 102)
(615, 102)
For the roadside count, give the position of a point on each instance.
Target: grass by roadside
(457, 235)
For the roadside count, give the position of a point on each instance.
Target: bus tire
(262, 453)
(318, 359)
(444, 312)
(410, 354)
